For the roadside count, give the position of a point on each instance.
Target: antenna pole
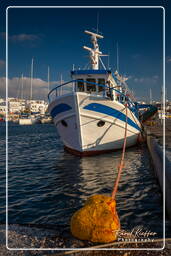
(31, 79)
(108, 60)
(117, 57)
(97, 22)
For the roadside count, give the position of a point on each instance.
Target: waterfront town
(17, 108)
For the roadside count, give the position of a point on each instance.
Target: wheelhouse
(98, 82)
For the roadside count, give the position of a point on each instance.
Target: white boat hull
(77, 116)
(27, 121)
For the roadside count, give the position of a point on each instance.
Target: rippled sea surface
(47, 185)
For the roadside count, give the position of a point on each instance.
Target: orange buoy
(97, 220)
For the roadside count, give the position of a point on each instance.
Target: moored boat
(90, 110)
(28, 120)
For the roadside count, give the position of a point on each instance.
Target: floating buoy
(97, 220)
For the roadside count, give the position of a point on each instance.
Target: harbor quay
(157, 142)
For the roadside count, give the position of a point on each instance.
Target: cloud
(168, 59)
(40, 87)
(2, 64)
(146, 80)
(22, 38)
(136, 56)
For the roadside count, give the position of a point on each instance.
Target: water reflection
(47, 185)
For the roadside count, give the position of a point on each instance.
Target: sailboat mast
(117, 57)
(31, 79)
(61, 83)
(22, 86)
(48, 78)
(150, 96)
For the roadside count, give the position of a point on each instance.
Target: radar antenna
(95, 53)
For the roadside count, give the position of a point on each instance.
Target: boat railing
(59, 90)
(62, 89)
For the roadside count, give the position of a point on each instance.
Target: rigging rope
(121, 165)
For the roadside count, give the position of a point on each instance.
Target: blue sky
(55, 37)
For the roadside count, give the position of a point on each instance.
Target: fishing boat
(91, 110)
(46, 119)
(28, 119)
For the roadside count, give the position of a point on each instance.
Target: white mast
(97, 29)
(48, 78)
(31, 79)
(61, 83)
(117, 57)
(94, 53)
(22, 86)
(150, 96)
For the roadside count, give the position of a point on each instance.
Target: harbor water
(46, 185)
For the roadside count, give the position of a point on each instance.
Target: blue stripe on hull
(59, 109)
(100, 108)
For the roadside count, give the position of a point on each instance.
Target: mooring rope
(121, 165)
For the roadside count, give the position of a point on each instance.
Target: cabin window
(80, 85)
(102, 82)
(91, 87)
(122, 99)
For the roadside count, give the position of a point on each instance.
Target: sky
(54, 37)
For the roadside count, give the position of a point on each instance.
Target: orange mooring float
(97, 220)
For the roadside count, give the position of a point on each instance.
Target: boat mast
(61, 83)
(94, 52)
(48, 78)
(31, 79)
(22, 86)
(117, 57)
(150, 96)
(97, 29)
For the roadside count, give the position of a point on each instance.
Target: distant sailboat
(29, 119)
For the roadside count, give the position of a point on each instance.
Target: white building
(2, 100)
(20, 105)
(16, 105)
(37, 106)
(2, 107)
